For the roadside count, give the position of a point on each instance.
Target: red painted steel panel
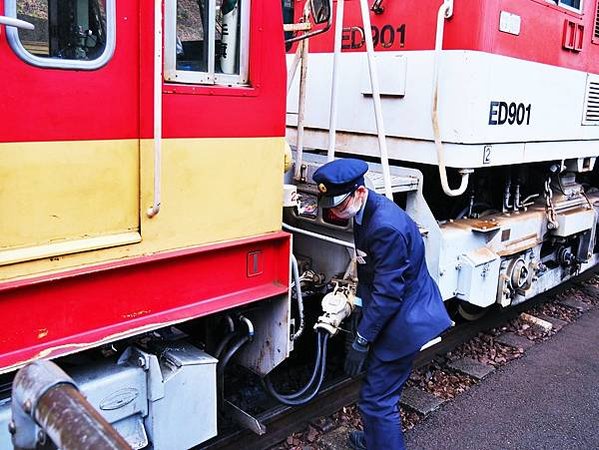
(59, 314)
(116, 101)
(257, 111)
(50, 104)
(475, 26)
(541, 36)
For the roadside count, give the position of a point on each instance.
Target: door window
(574, 5)
(206, 41)
(68, 34)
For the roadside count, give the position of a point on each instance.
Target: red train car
(141, 156)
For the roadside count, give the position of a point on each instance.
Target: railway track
(282, 421)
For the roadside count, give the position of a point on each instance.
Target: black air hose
(302, 391)
(229, 354)
(224, 361)
(315, 374)
(236, 346)
(221, 346)
(227, 339)
(298, 398)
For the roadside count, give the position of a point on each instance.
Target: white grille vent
(591, 107)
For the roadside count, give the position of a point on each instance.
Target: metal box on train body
(166, 398)
(478, 274)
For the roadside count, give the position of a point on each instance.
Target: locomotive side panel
(194, 129)
(517, 114)
(505, 80)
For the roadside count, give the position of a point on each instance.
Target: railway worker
(402, 308)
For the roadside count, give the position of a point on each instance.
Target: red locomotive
(480, 118)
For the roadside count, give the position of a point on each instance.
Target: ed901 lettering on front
(501, 113)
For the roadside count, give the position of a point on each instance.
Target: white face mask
(351, 210)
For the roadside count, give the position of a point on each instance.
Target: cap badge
(322, 188)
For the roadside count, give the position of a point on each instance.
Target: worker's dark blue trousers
(379, 401)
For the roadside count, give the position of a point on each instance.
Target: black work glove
(355, 358)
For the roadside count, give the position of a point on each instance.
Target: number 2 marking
(487, 154)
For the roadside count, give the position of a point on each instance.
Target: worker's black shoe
(356, 440)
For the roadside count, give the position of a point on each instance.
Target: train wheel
(471, 312)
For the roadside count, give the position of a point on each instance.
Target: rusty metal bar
(46, 404)
(70, 421)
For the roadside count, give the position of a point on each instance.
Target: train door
(69, 137)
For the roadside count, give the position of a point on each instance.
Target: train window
(206, 41)
(575, 5)
(68, 34)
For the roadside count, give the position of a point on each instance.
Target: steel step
(398, 183)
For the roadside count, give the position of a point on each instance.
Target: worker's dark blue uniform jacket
(402, 306)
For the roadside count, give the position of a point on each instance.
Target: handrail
(293, 68)
(322, 237)
(335, 82)
(155, 208)
(301, 114)
(376, 97)
(445, 12)
(17, 23)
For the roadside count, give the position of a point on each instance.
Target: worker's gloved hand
(356, 356)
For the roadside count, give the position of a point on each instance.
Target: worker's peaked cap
(338, 179)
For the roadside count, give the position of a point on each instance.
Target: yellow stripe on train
(75, 203)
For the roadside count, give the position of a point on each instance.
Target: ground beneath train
(546, 399)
